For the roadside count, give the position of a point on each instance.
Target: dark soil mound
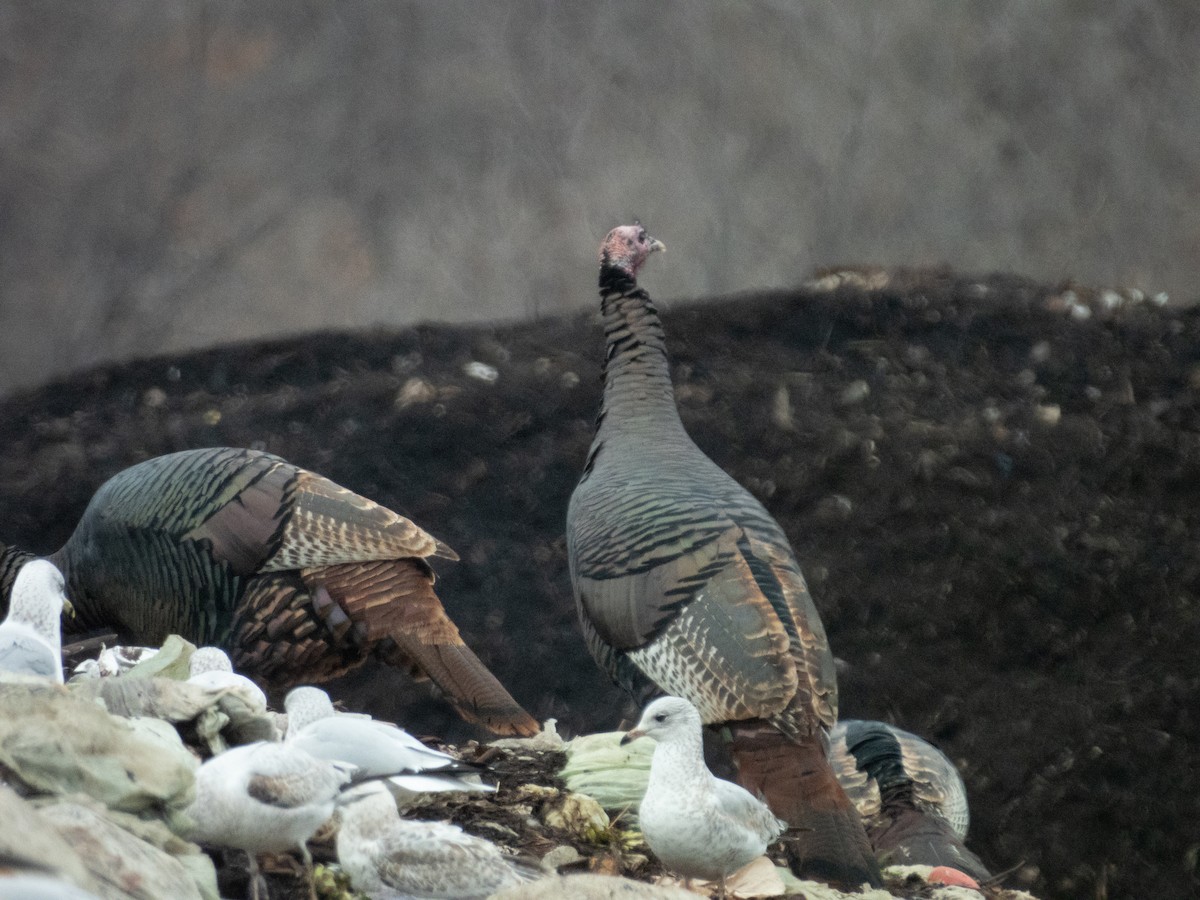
(994, 488)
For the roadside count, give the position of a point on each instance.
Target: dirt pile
(993, 486)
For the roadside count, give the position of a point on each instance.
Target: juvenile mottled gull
(375, 748)
(697, 825)
(31, 634)
(264, 798)
(210, 667)
(388, 857)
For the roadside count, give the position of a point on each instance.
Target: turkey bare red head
(627, 247)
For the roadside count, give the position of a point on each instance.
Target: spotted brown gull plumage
(387, 857)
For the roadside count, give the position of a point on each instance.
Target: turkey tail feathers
(908, 836)
(465, 682)
(825, 837)
(392, 606)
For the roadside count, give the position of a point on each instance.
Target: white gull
(31, 634)
(375, 748)
(210, 667)
(698, 825)
(264, 798)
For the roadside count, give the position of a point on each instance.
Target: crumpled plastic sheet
(75, 841)
(109, 776)
(171, 660)
(221, 717)
(157, 687)
(60, 743)
(27, 841)
(597, 765)
(126, 856)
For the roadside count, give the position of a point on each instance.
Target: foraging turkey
(296, 577)
(910, 795)
(685, 585)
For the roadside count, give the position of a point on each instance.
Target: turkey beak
(630, 736)
(656, 244)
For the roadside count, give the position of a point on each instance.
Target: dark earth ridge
(993, 486)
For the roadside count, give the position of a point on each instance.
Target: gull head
(665, 719)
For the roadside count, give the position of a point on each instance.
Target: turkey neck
(11, 560)
(86, 615)
(637, 378)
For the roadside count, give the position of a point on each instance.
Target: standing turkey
(685, 585)
(298, 578)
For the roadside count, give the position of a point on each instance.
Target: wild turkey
(685, 585)
(910, 795)
(296, 577)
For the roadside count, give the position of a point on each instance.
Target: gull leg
(308, 871)
(255, 875)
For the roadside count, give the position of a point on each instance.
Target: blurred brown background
(175, 174)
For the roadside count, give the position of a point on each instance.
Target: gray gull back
(375, 748)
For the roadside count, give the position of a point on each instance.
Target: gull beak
(632, 736)
(656, 244)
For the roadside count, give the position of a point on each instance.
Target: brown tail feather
(466, 683)
(393, 607)
(281, 635)
(825, 838)
(907, 836)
